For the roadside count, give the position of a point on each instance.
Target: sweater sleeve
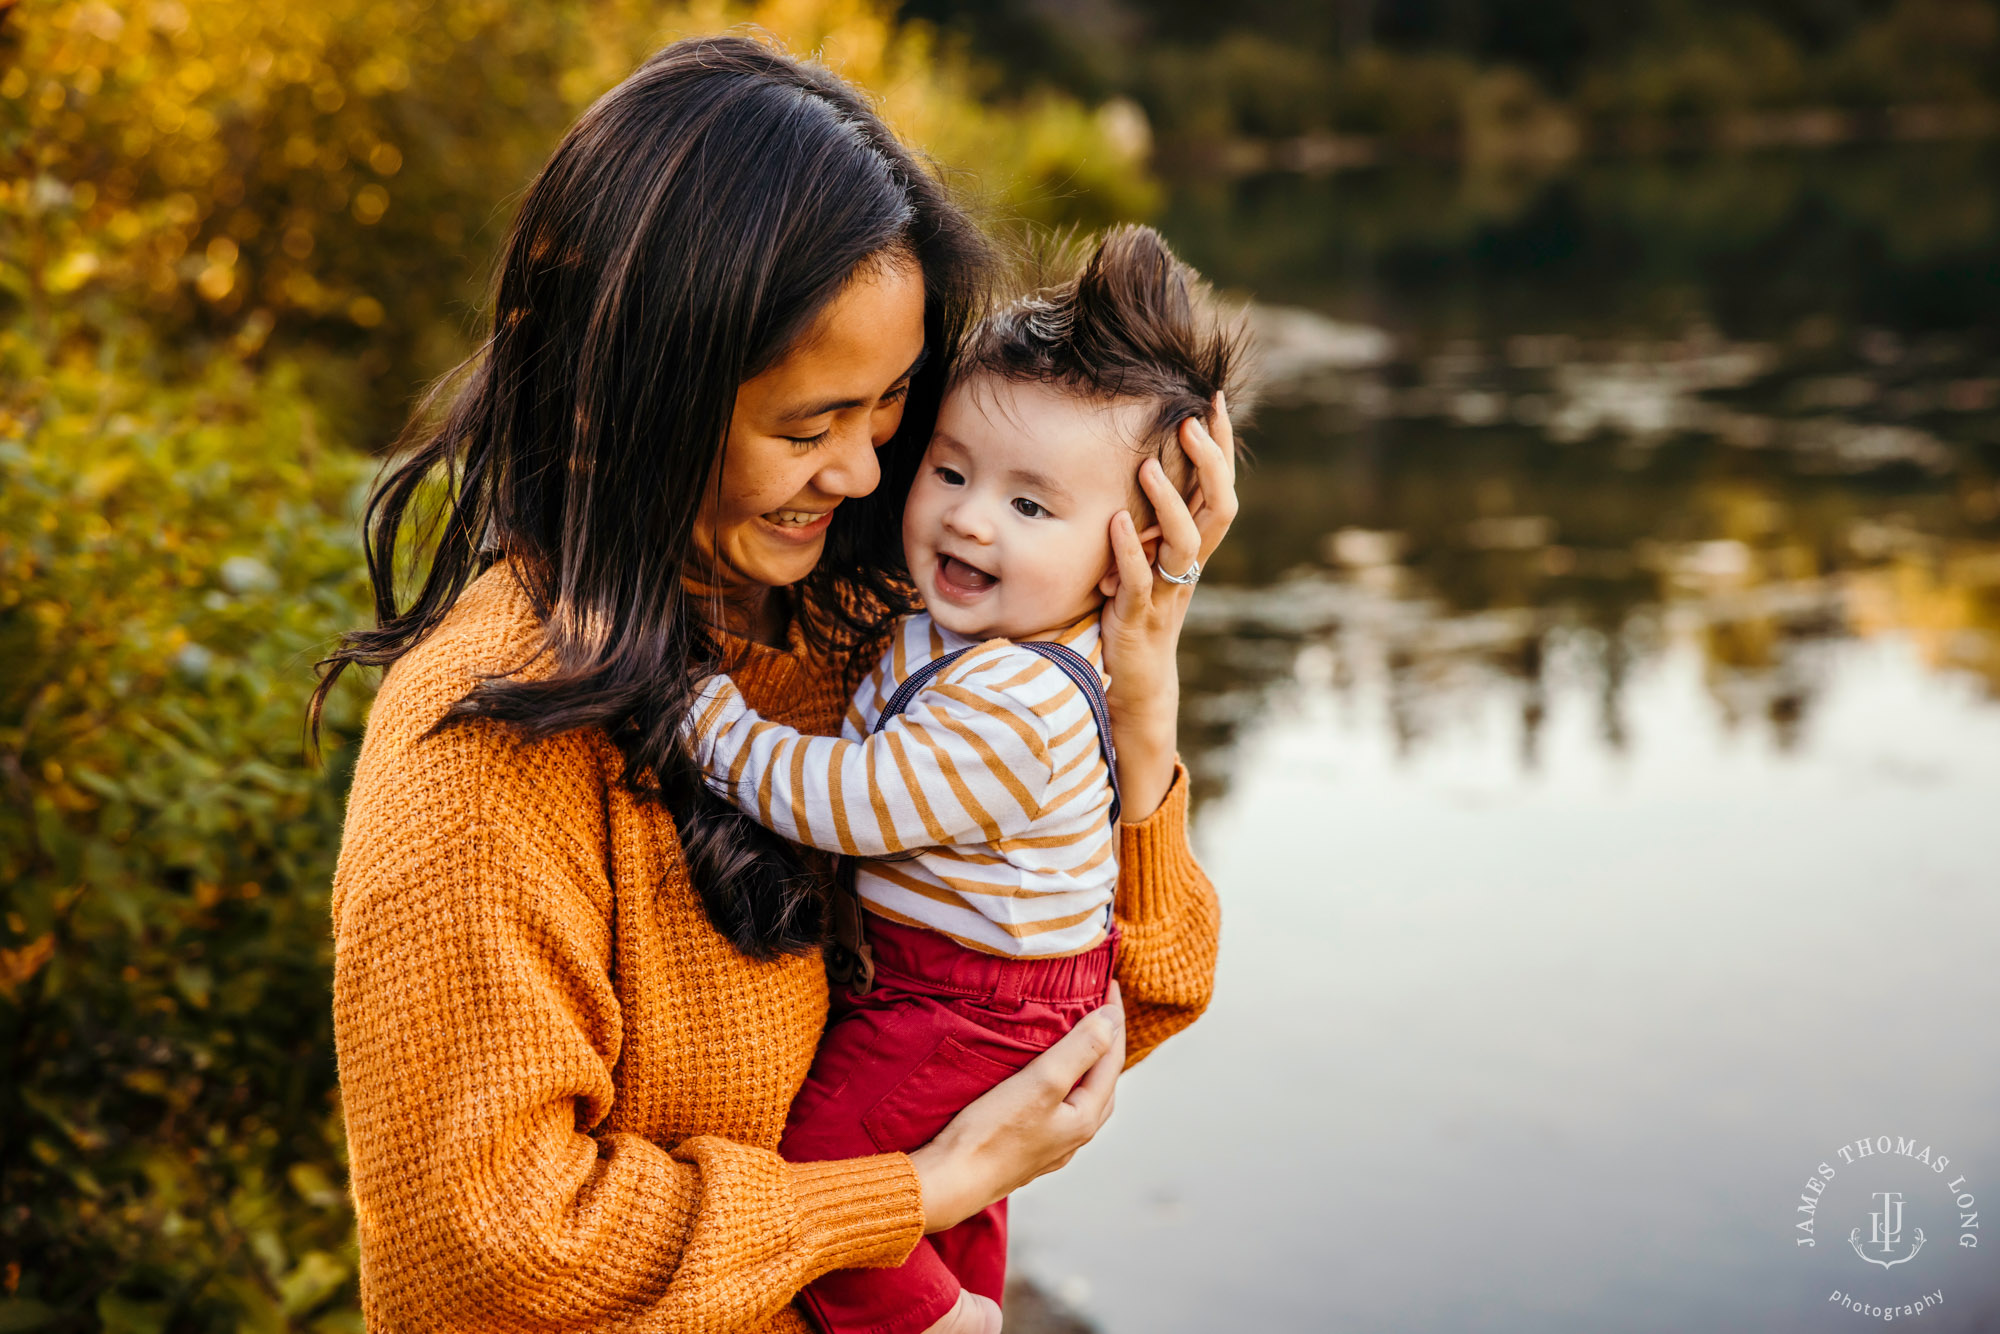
(478, 1027)
(1170, 923)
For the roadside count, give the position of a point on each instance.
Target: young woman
(574, 994)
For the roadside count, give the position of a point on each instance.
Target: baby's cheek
(919, 521)
(1073, 565)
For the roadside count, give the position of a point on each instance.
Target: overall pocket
(910, 1115)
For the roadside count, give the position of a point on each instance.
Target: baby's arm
(962, 764)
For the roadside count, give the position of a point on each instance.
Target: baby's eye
(950, 477)
(1027, 507)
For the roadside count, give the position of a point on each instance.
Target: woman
(573, 993)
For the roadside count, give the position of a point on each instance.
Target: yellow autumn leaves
(351, 159)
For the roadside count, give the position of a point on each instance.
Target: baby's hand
(972, 1314)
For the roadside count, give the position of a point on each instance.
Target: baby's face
(1007, 528)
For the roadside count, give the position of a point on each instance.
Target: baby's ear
(1149, 539)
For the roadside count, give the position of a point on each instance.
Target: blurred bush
(234, 238)
(170, 561)
(1928, 53)
(336, 176)
(1486, 77)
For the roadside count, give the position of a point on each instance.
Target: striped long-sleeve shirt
(981, 811)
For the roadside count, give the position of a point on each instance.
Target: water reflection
(1593, 720)
(1480, 422)
(1545, 1050)
(1756, 615)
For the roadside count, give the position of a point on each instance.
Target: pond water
(1596, 718)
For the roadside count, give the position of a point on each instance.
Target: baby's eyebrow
(1039, 481)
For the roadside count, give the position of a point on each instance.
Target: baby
(974, 778)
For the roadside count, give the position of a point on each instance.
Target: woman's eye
(1027, 507)
(895, 395)
(950, 477)
(809, 441)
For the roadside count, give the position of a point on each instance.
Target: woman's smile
(799, 525)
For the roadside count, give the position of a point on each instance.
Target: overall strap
(1071, 663)
(914, 682)
(1084, 676)
(851, 962)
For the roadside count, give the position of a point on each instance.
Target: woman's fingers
(1093, 1093)
(1135, 573)
(1091, 1097)
(1180, 539)
(1099, 1089)
(1069, 1069)
(1080, 1076)
(1223, 431)
(1214, 507)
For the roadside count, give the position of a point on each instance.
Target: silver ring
(1187, 578)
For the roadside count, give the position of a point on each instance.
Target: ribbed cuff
(859, 1213)
(1155, 863)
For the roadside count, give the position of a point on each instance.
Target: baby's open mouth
(956, 575)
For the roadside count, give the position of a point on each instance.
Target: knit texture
(563, 1089)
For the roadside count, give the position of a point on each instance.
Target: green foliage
(336, 176)
(1280, 69)
(1938, 52)
(234, 236)
(170, 561)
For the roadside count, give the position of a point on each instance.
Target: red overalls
(941, 1025)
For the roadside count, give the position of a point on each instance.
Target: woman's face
(804, 433)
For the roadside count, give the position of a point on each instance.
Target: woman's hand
(1142, 620)
(1031, 1123)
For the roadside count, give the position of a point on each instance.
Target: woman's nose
(851, 468)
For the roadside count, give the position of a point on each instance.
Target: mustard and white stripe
(982, 810)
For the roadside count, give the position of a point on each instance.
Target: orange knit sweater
(563, 1089)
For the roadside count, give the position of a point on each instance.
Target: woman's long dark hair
(689, 228)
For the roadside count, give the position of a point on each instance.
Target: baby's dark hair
(1134, 323)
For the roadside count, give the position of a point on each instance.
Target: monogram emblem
(1886, 1232)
